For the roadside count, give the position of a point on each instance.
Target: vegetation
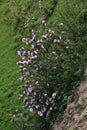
(8, 71)
(62, 72)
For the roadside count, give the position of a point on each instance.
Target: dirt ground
(75, 116)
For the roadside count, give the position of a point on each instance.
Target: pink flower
(24, 40)
(45, 36)
(21, 78)
(42, 46)
(54, 95)
(19, 53)
(35, 93)
(40, 113)
(33, 37)
(29, 89)
(25, 62)
(31, 109)
(56, 41)
(37, 83)
(37, 106)
(29, 61)
(39, 42)
(46, 103)
(32, 46)
(51, 108)
(45, 94)
(29, 52)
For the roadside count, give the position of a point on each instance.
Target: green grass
(8, 73)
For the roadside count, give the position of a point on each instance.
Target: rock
(75, 116)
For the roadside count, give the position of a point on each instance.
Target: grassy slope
(8, 73)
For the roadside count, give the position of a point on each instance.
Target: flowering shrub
(36, 94)
(47, 66)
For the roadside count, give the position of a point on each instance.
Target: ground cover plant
(60, 58)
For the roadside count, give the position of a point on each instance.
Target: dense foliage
(52, 63)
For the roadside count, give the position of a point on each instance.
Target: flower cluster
(39, 95)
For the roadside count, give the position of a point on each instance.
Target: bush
(52, 61)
